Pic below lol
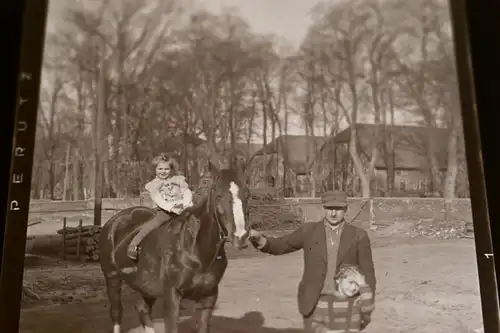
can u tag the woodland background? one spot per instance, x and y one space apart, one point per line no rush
124 80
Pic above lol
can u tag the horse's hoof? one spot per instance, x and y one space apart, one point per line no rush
148 329
116 328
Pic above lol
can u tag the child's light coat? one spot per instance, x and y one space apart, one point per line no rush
172 194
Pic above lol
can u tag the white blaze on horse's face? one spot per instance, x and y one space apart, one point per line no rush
239 216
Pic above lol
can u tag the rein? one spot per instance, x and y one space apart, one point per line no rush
221 230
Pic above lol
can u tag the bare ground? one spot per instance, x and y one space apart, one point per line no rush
424 286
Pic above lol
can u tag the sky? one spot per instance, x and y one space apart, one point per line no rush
261 14
286 18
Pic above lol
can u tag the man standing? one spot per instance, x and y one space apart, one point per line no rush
327 244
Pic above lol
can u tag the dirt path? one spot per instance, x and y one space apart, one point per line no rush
419 290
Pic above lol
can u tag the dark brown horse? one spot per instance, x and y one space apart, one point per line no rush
183 259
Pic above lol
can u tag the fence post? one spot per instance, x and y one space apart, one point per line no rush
371 212
78 239
447 207
64 239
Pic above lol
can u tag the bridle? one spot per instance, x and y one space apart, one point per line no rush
221 229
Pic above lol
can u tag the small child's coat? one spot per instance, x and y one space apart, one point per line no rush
343 314
174 188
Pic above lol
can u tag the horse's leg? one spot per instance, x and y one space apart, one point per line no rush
143 308
206 308
171 307
114 289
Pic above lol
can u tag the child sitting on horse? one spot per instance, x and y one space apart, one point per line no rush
171 195
349 309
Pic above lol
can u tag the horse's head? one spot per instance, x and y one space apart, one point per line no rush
229 198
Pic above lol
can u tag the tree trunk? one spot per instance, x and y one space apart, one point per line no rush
452 167
195 172
109 181
36 182
41 188
421 99
430 148
334 168
52 180
264 143
273 128
252 119
434 175
285 153
125 151
66 173
376 94
313 175
185 158
358 165
335 163
390 150
107 188
346 161
50 134
75 167
115 156
98 132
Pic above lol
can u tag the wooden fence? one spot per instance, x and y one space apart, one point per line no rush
366 211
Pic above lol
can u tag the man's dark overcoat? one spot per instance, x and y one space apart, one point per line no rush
354 249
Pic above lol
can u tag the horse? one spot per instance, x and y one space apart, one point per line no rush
183 259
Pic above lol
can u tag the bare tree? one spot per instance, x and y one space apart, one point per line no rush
352 44
49 128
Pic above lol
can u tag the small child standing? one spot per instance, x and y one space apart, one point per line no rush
171 194
349 309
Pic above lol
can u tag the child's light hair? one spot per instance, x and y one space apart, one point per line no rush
164 158
350 271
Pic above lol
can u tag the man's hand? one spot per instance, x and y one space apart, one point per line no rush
257 239
177 207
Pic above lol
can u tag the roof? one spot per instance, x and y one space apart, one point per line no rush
246 149
242 148
410 144
409 152
300 149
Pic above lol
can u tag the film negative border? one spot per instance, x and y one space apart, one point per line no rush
32 45
11 60
468 23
